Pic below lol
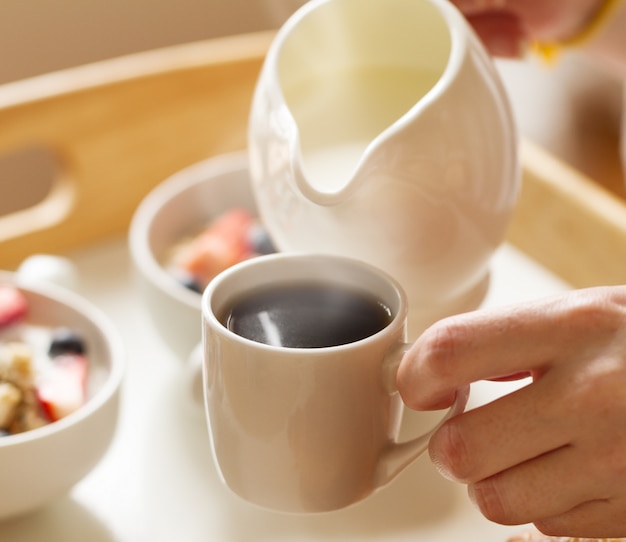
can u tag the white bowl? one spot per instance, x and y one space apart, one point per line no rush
44 463
181 204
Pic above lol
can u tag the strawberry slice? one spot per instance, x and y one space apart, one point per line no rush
233 225
62 387
13 305
224 243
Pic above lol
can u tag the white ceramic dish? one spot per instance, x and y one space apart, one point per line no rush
39 465
181 204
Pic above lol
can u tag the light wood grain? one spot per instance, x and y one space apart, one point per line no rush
572 225
120 127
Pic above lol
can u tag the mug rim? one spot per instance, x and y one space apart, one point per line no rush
398 320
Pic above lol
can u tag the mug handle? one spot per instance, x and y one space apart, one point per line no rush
192 381
399 455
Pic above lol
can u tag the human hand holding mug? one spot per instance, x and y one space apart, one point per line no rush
552 452
299 389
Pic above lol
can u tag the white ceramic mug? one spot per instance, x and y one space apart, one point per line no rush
306 429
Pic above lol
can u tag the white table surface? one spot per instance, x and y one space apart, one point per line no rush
158 481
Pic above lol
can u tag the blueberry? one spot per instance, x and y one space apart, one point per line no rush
188 281
260 240
66 341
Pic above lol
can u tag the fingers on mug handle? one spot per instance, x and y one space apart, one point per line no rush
390 367
400 455
391 364
390 370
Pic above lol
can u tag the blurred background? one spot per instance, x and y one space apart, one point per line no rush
572 109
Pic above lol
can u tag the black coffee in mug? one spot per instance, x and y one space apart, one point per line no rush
306 315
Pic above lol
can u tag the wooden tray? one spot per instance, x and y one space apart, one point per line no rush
118 128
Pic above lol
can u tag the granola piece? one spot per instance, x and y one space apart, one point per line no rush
16 365
19 408
10 398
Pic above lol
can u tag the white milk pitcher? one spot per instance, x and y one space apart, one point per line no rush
380 130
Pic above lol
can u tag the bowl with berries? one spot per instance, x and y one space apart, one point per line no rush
61 368
194 224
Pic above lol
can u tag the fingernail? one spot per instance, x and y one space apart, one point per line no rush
471 493
437 453
443 470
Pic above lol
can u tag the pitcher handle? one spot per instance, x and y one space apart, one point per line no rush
399 455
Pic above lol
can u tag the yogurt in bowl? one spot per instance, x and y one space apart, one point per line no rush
50 436
203 219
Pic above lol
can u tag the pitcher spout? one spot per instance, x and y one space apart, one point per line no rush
328 176
349 73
